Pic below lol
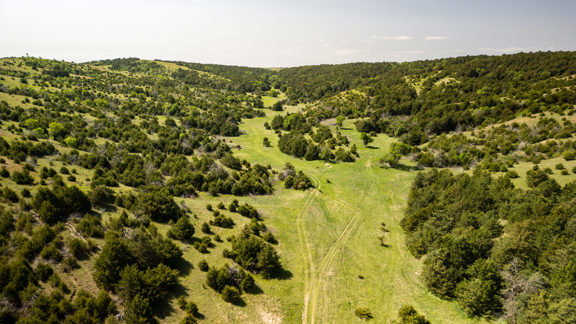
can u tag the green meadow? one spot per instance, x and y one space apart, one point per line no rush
328 240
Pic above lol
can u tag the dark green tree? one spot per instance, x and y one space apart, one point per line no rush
158 205
366 139
408 315
231 295
182 230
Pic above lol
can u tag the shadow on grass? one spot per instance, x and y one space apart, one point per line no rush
240 303
284 274
404 167
164 308
184 266
255 291
103 208
372 147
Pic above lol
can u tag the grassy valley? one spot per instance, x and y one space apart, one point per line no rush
147 191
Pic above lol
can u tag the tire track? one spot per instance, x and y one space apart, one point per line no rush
351 224
305 247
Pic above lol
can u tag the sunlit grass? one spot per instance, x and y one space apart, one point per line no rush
348 268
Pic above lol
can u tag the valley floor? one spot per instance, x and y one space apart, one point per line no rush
329 241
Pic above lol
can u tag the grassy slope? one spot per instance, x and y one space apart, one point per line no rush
328 239
522 167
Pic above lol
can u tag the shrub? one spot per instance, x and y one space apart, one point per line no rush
203 265
248 284
22 178
535 177
182 302
248 211
255 255
10 195
206 228
25 193
70 263
201 247
363 313
266 142
408 315
569 155
43 271
222 221
182 230
101 195
90 226
512 174
231 162
233 206
231 295
189 319
158 205
269 237
77 248
51 253
192 308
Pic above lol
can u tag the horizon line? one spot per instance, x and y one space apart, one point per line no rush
294 66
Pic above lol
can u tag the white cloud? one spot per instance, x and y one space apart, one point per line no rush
435 37
396 38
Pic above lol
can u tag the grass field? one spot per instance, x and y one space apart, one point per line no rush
328 243
269 101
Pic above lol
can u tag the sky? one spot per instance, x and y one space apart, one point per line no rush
283 33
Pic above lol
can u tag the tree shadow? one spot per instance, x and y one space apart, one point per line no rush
184 266
404 167
193 240
99 209
240 303
256 290
284 274
163 308
110 208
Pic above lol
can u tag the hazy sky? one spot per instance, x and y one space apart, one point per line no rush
282 33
